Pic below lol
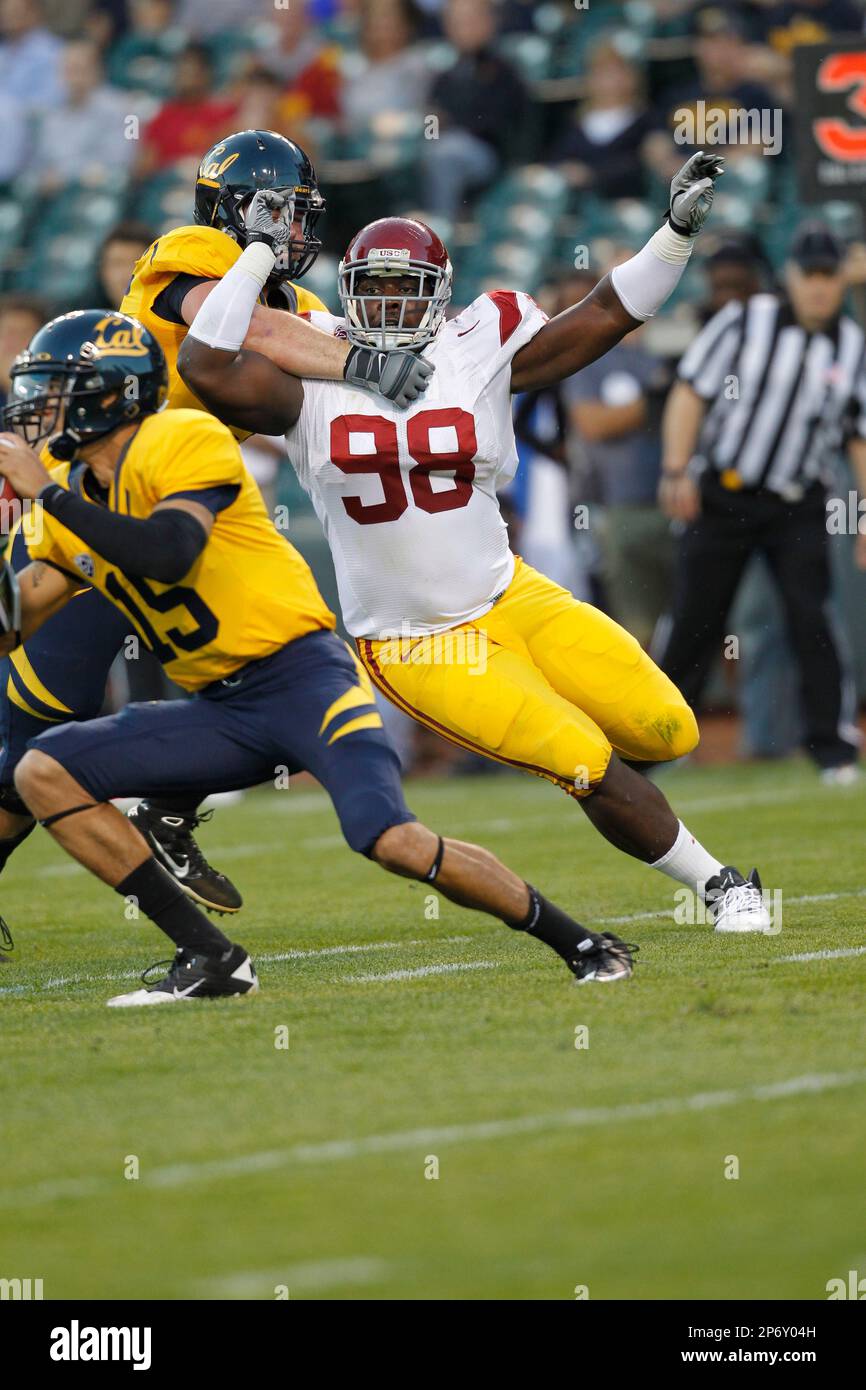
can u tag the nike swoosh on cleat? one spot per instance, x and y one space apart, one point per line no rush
179 870
185 993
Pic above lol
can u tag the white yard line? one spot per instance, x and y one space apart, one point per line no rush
363 946
179 1175
300 1278
351 948
842 954
449 968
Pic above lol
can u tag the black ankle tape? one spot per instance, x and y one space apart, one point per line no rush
437 863
532 916
73 811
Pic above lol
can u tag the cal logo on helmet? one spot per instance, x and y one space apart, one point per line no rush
116 337
212 167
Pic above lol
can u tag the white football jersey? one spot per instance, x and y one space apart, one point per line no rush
407 498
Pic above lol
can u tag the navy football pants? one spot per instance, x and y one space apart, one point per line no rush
280 714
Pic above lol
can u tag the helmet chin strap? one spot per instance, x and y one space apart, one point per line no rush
64 446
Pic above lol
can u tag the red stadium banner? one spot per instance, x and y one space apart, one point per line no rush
830 120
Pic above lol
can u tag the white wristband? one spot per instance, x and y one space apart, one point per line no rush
644 283
223 320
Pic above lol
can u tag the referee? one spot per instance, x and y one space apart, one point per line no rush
766 393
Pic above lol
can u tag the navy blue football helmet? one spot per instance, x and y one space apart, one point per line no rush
83 375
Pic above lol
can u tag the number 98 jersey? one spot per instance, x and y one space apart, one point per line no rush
407 498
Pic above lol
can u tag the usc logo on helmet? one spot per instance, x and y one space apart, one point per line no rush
116 337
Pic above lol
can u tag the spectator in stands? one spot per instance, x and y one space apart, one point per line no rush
481 105
306 66
206 17
724 78
388 74
16 142
21 315
192 119
614 406
86 138
603 148
29 56
117 256
259 104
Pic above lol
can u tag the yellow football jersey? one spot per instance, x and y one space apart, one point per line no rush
249 592
186 251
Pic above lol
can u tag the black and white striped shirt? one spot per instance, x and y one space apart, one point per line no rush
781 400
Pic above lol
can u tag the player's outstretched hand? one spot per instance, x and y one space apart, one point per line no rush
692 190
269 217
22 466
400 376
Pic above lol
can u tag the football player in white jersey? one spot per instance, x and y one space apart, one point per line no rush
453 627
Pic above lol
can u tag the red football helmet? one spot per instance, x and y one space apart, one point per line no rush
391 248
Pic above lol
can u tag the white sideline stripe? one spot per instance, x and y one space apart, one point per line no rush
314 1274
450 968
330 1151
56 982
822 955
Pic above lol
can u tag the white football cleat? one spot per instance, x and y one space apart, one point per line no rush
736 904
847 775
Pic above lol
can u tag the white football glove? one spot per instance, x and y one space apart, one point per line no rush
692 190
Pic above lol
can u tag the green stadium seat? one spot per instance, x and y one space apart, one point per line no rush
530 54
145 64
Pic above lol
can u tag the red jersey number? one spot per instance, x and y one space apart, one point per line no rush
385 462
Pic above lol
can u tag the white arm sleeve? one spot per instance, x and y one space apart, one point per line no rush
223 320
644 283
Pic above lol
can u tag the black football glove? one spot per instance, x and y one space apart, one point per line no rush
400 376
692 190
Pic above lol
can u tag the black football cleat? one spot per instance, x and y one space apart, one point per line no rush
6 938
172 841
193 975
602 957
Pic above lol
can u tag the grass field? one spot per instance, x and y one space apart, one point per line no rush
412 1037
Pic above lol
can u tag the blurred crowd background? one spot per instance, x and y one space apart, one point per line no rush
537 138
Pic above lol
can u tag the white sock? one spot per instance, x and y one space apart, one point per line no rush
688 862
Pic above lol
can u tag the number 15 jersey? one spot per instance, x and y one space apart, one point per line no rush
407 498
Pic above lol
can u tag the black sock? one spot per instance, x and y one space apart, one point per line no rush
165 903
548 923
8 847
185 806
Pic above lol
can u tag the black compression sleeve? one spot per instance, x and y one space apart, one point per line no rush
163 547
